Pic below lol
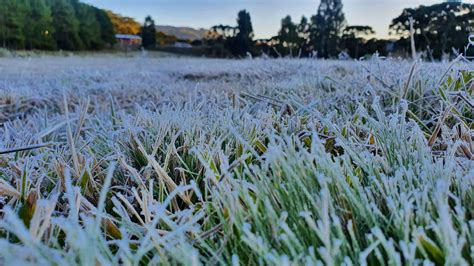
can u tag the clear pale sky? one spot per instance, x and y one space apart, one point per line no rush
266 14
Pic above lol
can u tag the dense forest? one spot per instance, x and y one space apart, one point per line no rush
54 24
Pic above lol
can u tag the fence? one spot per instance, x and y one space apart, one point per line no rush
469 53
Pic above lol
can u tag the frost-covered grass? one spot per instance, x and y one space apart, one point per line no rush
136 161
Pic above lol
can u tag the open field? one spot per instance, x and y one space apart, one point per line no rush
108 160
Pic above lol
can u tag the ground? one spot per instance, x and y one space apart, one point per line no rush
139 159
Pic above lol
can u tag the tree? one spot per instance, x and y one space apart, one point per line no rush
51 24
39 28
124 25
148 33
438 28
354 38
327 27
220 38
66 25
288 36
222 32
235 41
89 28
303 30
165 39
107 31
291 37
12 23
243 41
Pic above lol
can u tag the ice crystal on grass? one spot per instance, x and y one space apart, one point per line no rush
133 161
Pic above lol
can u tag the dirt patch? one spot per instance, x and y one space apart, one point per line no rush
212 77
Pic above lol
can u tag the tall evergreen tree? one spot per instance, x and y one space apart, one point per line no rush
327 28
66 25
243 42
148 33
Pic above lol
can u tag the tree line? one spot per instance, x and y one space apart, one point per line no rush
54 24
439 29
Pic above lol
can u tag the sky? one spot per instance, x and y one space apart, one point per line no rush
266 14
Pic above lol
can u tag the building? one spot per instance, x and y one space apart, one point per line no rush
128 40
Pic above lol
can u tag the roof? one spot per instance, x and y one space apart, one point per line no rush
127 37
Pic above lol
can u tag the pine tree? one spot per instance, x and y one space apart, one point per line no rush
149 33
327 27
243 42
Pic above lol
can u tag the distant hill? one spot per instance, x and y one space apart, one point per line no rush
183 33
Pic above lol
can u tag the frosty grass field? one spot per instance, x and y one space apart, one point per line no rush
107 160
